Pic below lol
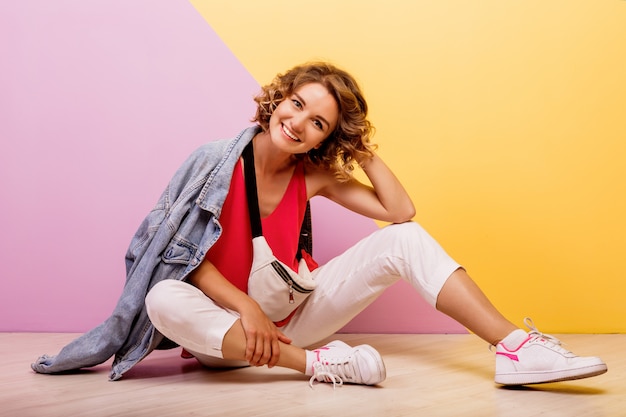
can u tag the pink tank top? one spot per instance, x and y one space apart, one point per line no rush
232 253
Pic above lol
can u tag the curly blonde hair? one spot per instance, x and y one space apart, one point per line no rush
349 143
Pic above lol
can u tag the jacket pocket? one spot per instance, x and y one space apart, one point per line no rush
179 251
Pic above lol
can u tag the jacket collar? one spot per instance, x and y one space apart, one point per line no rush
214 191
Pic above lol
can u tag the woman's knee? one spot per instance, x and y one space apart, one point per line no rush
409 232
159 299
406 228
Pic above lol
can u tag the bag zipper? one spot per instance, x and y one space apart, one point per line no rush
287 278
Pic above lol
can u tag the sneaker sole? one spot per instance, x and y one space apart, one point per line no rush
529 378
381 372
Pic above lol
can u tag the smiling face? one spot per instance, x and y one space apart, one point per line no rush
341 146
304 119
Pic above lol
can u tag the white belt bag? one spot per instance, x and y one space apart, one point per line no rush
276 287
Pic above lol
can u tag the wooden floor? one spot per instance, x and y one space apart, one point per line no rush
427 375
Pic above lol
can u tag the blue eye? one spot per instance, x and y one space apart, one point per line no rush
297 103
318 124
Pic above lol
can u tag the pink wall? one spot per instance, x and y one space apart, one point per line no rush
100 102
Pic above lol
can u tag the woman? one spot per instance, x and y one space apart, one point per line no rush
311 131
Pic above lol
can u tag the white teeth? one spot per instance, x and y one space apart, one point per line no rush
291 135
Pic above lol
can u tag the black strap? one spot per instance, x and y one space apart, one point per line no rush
306 238
251 191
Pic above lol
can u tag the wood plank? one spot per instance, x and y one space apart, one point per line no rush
429 375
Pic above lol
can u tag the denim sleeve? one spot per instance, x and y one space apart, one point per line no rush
127 332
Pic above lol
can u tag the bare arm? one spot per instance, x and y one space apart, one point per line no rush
386 199
262 336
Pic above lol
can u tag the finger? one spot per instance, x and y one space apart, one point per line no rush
284 338
250 346
275 354
266 353
258 351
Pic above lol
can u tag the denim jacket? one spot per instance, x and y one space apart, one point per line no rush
170 243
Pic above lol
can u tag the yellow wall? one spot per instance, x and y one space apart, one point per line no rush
504 119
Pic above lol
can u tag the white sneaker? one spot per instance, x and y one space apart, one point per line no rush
340 363
534 358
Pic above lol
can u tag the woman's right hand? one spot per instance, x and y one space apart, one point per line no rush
262 337
261 334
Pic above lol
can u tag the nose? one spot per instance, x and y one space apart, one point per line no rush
297 122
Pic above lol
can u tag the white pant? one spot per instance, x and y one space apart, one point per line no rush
345 286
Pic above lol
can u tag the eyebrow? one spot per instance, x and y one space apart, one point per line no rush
318 116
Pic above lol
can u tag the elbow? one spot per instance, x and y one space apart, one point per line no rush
411 213
404 215
409 216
